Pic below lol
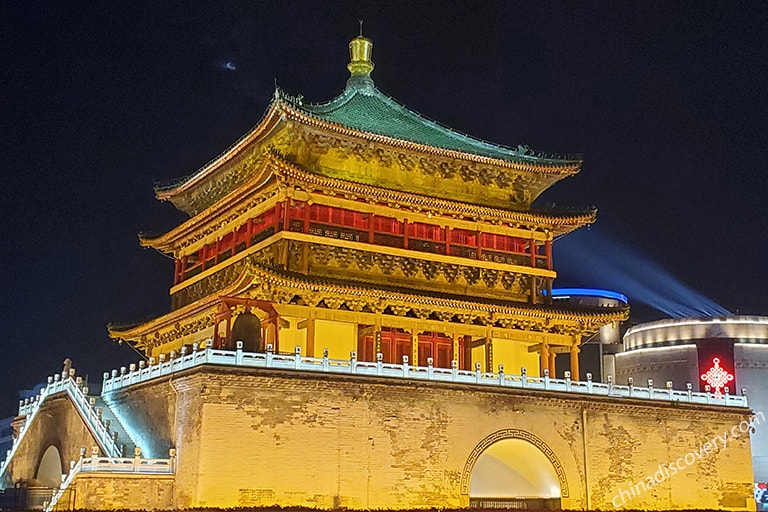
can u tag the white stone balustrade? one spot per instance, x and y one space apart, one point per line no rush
297 362
60 384
94 463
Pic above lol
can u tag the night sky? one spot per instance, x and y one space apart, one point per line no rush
100 100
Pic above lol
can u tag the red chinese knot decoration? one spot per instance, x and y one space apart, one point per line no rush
717 377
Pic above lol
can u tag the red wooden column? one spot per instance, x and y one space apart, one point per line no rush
548 251
447 240
544 358
287 215
176 271
248 232
533 252
371 227
479 246
405 233
575 362
277 214
306 217
183 269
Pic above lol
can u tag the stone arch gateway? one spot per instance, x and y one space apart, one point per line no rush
514 465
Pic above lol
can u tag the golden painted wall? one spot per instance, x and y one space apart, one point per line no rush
340 338
514 355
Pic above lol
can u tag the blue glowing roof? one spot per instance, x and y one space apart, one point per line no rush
562 293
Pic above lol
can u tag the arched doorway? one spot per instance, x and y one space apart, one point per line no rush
49 469
247 328
514 469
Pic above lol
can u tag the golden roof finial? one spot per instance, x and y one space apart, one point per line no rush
360 49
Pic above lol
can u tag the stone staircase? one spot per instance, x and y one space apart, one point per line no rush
114 426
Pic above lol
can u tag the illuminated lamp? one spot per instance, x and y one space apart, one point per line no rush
717 377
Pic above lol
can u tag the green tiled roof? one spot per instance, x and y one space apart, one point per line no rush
365 108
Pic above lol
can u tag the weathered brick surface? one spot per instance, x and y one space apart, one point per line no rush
264 437
104 491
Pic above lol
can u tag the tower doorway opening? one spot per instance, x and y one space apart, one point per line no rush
247 328
514 474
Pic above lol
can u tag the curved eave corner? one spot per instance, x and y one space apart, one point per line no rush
168 191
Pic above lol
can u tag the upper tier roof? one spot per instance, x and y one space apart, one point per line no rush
363 107
362 115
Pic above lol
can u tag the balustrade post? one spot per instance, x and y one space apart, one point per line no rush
689 389
609 378
501 375
650 389
524 377
406 367
546 378
379 363
297 358
567 376
136 459
94 457
630 385
269 355
589 383
478 373
172 456
326 361
239 353
454 370
353 361
430 368
709 395
669 385
726 396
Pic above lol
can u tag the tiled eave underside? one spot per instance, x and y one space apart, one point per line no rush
270 286
289 176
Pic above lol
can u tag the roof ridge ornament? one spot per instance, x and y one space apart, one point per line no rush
360 63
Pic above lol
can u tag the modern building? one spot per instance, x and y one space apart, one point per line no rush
721 355
363 317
